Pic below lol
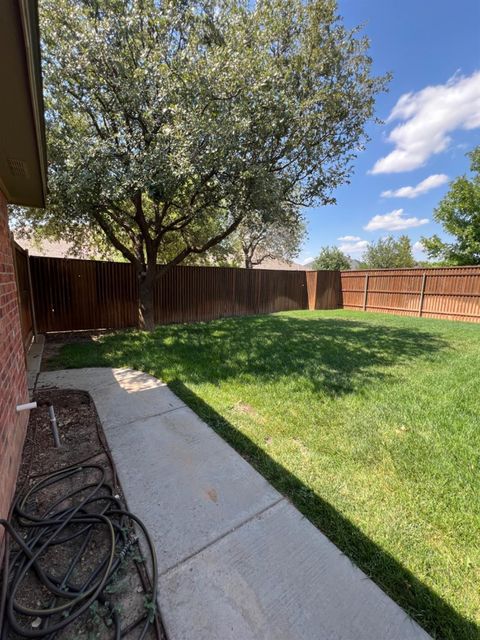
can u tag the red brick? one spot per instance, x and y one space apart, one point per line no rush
13 382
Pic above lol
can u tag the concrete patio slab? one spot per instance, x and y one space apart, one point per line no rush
237 561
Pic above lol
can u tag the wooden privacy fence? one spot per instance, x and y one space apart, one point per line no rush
73 294
84 294
22 275
451 292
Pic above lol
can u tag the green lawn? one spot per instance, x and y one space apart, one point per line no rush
369 423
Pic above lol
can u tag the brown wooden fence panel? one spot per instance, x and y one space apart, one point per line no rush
323 289
451 292
75 294
190 294
83 294
24 294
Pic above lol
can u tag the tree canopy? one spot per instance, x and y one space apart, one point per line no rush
388 253
459 214
331 258
168 122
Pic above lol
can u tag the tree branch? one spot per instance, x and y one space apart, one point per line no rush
109 232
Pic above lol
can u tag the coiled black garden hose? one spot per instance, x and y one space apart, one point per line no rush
74 515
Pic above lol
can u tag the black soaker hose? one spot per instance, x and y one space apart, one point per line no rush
92 506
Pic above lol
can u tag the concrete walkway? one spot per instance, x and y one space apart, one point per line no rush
236 560
34 360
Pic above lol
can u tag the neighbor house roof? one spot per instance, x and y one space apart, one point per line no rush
48 248
22 133
279 265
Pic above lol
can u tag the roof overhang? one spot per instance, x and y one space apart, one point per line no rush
23 165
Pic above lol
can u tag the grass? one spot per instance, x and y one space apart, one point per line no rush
368 422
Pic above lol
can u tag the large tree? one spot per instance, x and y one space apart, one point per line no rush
167 122
388 253
332 259
459 214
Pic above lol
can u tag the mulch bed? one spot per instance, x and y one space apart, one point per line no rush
83 443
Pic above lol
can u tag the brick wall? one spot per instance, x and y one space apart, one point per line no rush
13 384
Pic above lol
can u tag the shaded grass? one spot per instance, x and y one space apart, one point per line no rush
369 423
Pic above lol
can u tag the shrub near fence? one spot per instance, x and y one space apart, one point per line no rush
451 293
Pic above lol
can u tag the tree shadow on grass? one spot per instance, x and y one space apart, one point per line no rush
432 613
332 356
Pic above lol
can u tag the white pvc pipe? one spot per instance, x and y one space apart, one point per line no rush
53 424
27 406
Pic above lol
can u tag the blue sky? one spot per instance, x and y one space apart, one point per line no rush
432 47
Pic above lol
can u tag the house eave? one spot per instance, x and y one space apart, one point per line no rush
23 165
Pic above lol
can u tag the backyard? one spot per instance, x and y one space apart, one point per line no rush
367 422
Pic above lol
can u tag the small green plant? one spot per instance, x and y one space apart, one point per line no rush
95 613
115 586
150 607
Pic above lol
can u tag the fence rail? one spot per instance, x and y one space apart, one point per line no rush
451 292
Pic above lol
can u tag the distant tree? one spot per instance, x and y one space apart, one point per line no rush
459 214
388 253
168 121
332 259
270 235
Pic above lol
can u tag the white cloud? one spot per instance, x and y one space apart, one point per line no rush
427 117
307 260
394 221
352 244
419 251
433 181
349 238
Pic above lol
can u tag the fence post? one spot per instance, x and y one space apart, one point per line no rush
365 292
422 295
311 278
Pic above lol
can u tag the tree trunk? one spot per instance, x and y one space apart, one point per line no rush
248 259
146 288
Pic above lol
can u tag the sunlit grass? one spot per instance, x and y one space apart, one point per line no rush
369 423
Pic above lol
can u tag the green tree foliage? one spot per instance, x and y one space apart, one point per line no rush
331 258
167 122
388 253
459 214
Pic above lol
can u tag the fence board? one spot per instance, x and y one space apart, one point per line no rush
448 292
